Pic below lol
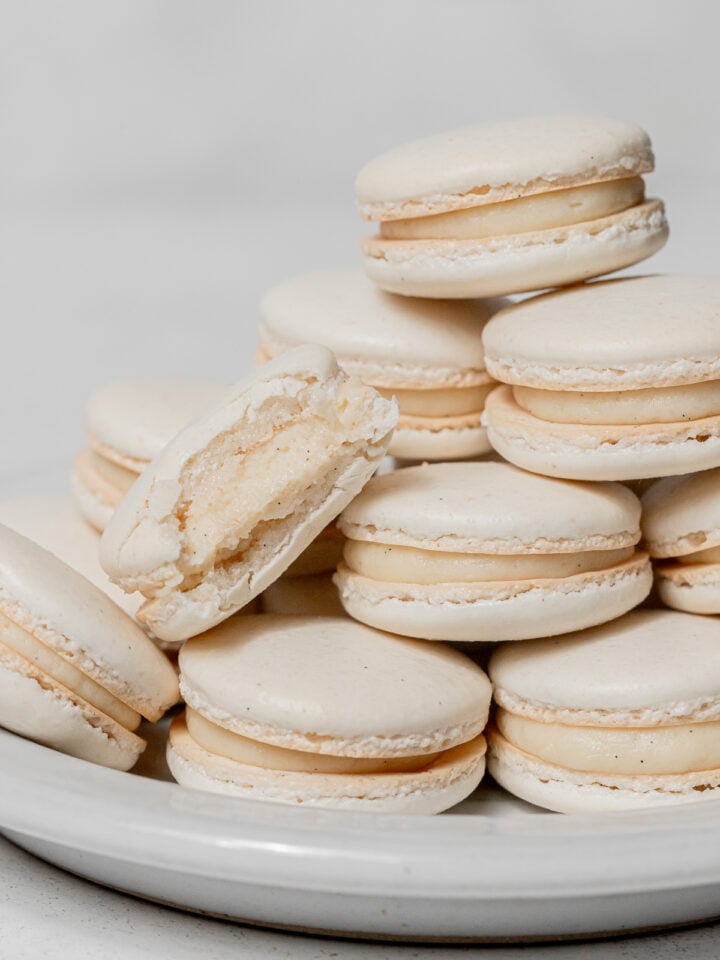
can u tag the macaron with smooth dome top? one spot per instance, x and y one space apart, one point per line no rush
128 422
326 712
76 673
623 716
427 354
510 206
681 530
615 380
238 494
487 552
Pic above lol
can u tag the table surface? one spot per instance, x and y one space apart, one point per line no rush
46 913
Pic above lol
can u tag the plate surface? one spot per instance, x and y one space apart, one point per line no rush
494 868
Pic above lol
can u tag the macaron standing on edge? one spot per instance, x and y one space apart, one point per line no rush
76 673
427 354
615 380
326 712
128 422
237 495
487 552
623 716
511 206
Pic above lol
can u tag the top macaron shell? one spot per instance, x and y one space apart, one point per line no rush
492 162
492 508
137 417
333 686
389 341
628 334
44 595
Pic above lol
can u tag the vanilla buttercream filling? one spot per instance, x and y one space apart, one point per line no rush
682 748
691 401
542 211
443 402
399 564
57 668
709 555
233 746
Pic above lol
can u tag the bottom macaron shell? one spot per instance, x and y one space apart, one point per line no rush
443 783
694 588
573 791
449 443
36 707
96 510
495 611
599 452
514 264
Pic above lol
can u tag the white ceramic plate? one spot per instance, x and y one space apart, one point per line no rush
493 868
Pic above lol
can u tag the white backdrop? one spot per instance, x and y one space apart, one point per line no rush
163 161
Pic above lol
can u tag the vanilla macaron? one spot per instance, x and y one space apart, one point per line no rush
329 713
625 715
427 354
487 552
315 596
617 380
510 206
128 422
681 530
76 673
238 494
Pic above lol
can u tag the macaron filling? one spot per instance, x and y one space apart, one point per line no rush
541 211
57 668
394 563
709 555
441 402
672 749
693 401
226 743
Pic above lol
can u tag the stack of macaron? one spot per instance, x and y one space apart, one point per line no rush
505 519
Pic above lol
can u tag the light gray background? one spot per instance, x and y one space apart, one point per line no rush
162 162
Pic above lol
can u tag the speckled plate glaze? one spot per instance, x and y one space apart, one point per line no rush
493 868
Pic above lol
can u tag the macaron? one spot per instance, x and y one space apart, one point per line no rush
617 380
487 552
623 716
238 494
325 712
53 521
510 206
681 529
128 422
427 354
315 596
76 673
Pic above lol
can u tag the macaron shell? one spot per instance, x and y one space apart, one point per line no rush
681 515
391 342
491 508
96 499
692 587
61 608
571 791
445 443
495 611
446 781
315 596
330 685
614 452
34 706
491 162
623 334
517 263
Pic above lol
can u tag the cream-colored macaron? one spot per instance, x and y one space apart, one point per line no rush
76 673
681 529
617 380
315 596
428 354
625 715
238 494
128 422
484 551
505 207
328 713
